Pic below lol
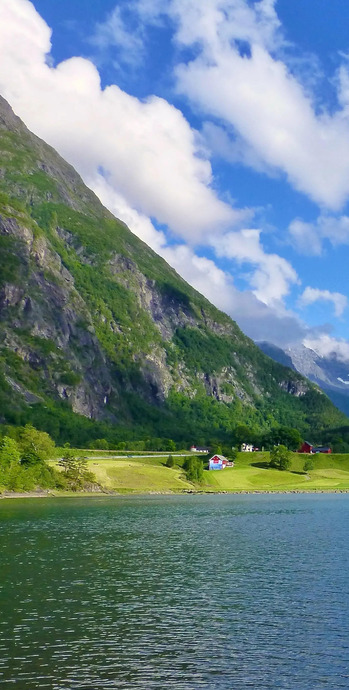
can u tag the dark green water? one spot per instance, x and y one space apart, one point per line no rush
183 592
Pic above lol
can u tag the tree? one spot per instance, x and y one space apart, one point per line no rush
9 453
194 468
100 444
170 461
287 436
233 453
171 446
68 461
243 434
35 446
75 469
309 464
280 458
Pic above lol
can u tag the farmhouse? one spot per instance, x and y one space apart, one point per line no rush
247 448
199 449
307 447
219 462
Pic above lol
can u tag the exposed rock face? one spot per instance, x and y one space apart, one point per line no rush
296 388
48 308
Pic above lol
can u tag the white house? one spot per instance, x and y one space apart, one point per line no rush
219 462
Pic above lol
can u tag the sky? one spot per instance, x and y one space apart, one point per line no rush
217 130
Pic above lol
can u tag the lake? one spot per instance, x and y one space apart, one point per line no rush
183 592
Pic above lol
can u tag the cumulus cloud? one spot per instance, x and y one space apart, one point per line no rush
272 275
150 152
241 67
140 224
327 346
232 148
311 295
235 75
308 238
257 319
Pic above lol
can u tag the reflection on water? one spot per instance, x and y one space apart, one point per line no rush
175 592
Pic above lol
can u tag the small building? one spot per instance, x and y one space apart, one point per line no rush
307 447
246 447
219 462
199 449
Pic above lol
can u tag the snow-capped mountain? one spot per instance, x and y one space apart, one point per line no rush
330 373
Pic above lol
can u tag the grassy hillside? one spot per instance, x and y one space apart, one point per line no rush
250 473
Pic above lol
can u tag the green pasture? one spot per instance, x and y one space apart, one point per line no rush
250 473
132 475
127 475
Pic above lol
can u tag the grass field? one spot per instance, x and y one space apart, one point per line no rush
250 473
132 475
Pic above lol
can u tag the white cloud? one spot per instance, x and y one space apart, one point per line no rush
114 32
231 148
259 321
273 275
259 96
308 238
305 237
152 156
325 346
311 295
140 224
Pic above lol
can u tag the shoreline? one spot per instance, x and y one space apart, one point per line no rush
130 494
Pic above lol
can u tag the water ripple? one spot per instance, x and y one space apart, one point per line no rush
216 592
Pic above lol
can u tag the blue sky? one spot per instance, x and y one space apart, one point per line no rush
218 130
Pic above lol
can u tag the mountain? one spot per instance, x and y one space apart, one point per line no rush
330 373
277 354
98 335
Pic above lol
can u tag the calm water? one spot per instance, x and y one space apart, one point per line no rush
183 592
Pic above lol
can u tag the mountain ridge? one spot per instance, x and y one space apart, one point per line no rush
329 372
93 322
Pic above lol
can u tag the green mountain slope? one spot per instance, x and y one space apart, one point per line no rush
97 332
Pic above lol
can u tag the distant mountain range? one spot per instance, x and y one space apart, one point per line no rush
330 373
100 337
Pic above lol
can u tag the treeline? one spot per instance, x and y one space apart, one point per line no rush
338 439
24 452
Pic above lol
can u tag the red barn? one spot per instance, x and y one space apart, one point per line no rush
306 448
309 448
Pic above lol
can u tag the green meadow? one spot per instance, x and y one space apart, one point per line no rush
137 474
251 473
